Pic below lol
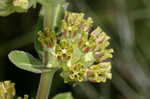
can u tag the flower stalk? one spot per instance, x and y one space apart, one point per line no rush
52 15
45 84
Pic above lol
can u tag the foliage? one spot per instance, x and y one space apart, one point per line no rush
69 44
66 95
25 61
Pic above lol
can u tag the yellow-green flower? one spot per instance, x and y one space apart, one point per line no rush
25 97
82 53
8 7
7 90
23 4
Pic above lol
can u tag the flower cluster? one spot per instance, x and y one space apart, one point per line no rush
82 54
8 7
8 91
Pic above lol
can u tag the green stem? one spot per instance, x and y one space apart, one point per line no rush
48 10
52 16
45 84
53 13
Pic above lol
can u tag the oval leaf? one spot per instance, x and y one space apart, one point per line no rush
66 95
25 61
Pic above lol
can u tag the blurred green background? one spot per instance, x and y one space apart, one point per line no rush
128 24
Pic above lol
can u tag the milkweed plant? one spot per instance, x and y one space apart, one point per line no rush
64 41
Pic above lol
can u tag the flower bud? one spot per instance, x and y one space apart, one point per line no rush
22 4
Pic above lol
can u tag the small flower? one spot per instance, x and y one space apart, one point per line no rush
64 50
25 97
7 89
23 4
82 54
8 7
47 38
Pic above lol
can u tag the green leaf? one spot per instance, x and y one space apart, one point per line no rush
66 95
7 11
6 8
25 61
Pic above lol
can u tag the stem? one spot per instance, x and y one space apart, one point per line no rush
52 16
53 13
45 84
48 10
